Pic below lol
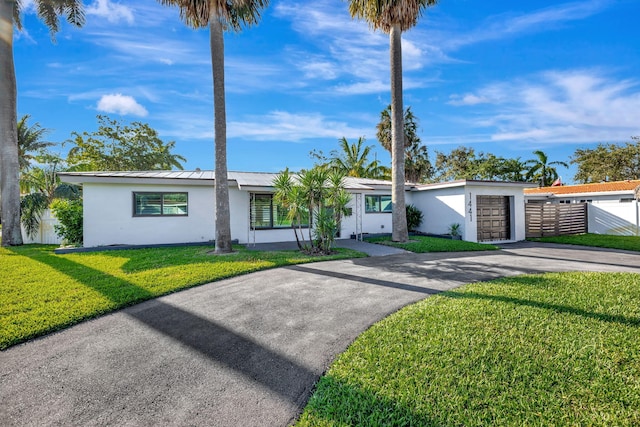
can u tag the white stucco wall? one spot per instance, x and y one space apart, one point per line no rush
109 220
614 218
372 223
516 195
440 208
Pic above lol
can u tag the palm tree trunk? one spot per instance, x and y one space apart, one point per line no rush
9 162
223 221
400 232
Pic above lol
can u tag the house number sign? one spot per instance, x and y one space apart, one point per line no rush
470 209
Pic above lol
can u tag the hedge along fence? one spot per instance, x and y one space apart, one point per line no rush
555 219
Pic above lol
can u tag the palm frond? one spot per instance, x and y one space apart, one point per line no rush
31 208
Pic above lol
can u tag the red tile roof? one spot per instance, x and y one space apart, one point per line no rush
599 187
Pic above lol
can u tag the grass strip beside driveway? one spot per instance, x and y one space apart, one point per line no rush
42 292
629 243
552 349
422 244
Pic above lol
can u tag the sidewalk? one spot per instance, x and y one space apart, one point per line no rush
370 249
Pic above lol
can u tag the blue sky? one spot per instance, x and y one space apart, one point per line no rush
503 77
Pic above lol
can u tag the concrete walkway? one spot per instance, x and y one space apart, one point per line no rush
247 350
368 248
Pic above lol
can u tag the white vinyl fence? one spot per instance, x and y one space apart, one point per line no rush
622 219
46 234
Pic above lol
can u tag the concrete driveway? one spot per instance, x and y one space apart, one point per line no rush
243 351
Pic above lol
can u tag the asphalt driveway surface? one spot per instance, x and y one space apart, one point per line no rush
244 351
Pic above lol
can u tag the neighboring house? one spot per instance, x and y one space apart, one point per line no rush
157 207
613 207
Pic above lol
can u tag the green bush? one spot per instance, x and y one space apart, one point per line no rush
414 217
69 214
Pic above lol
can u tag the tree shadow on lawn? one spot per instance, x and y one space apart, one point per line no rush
544 282
529 281
276 371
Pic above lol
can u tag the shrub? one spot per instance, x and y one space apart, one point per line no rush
414 217
69 214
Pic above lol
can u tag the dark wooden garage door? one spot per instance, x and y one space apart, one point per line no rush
493 218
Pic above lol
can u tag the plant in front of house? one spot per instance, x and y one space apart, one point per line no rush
69 214
454 231
316 197
414 217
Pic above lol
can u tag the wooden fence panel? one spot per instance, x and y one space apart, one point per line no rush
555 220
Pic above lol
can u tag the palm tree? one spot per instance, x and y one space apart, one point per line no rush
541 169
219 16
42 185
48 11
417 166
353 160
394 17
30 141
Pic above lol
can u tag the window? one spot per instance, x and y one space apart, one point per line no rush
377 204
160 204
266 213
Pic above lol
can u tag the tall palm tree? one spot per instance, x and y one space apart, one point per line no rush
417 166
353 160
48 11
541 169
30 141
394 17
219 16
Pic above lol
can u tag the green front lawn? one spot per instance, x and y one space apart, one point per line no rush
43 292
629 243
552 349
421 244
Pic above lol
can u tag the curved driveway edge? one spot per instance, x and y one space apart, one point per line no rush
247 350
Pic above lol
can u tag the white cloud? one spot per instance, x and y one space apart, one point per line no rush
285 126
510 25
112 12
121 104
558 106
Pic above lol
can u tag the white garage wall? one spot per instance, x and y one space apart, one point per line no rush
516 195
109 220
442 207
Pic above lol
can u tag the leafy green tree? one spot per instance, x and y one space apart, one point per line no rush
460 163
69 214
608 162
30 141
464 163
417 166
393 17
219 16
541 170
514 170
49 11
353 160
122 147
42 186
